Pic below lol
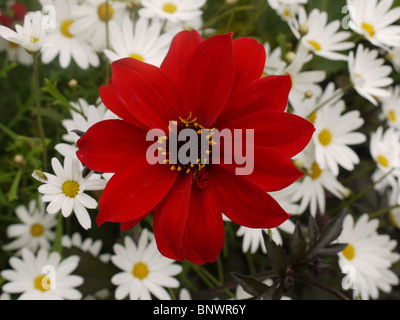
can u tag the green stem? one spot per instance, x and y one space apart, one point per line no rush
39 109
261 7
319 285
323 103
377 213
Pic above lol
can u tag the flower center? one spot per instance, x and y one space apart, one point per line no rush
105 12
65 28
383 161
13 44
315 171
137 57
37 230
70 188
325 137
315 45
42 283
140 270
349 252
392 116
312 117
369 28
169 7
34 40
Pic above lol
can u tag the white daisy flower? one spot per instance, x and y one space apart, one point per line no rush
287 10
367 258
145 271
175 11
311 189
323 39
65 190
394 57
91 17
88 115
87 245
35 231
16 53
42 277
385 151
334 133
142 41
273 64
369 75
391 107
31 35
374 20
303 81
62 43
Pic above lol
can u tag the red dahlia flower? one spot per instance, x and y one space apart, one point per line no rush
213 83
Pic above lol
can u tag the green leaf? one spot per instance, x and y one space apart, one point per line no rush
13 193
332 230
277 257
313 231
60 99
250 285
57 245
297 245
331 250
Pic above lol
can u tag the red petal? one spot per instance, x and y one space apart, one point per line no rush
182 47
249 61
265 94
133 192
204 236
127 225
146 92
19 10
286 132
169 220
272 170
245 203
113 102
208 78
111 145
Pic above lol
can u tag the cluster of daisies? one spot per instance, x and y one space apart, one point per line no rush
84 32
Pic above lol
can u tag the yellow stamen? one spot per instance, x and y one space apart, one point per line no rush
349 252
383 161
70 188
137 57
65 28
140 270
42 283
315 171
315 45
37 230
392 116
169 7
369 28
325 137
312 117
105 10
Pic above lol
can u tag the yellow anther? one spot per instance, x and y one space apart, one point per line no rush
173 168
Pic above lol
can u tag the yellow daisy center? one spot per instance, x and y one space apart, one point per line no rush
140 270
315 171
315 45
287 13
169 7
392 116
65 28
13 44
349 252
137 57
37 230
42 283
105 10
325 137
34 40
312 117
70 188
383 161
369 28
